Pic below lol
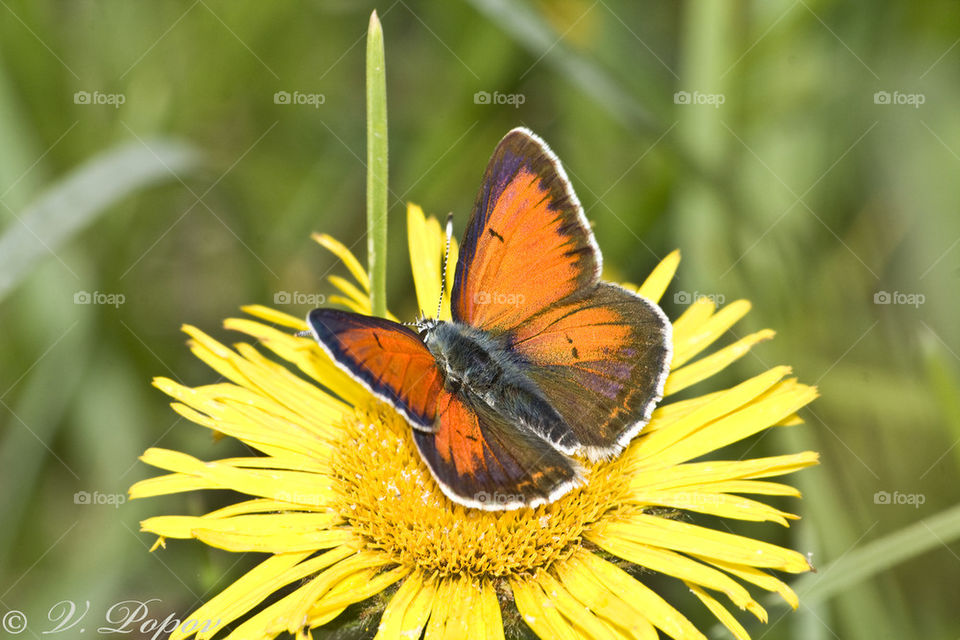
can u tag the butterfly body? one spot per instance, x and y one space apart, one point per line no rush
541 362
481 368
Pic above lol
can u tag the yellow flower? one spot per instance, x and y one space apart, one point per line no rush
346 509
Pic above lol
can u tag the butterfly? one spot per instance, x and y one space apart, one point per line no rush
542 362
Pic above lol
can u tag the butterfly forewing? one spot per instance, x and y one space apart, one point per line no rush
527 244
387 358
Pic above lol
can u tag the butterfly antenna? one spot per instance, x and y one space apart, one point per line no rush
443 269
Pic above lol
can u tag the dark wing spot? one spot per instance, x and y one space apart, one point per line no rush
576 356
377 339
495 234
569 339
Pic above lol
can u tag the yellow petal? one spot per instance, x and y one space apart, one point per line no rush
445 313
791 421
350 261
679 566
462 616
360 298
659 279
490 608
306 404
307 356
259 583
707 366
541 616
326 580
267 431
701 541
341 597
425 258
391 625
349 304
440 609
342 592
273 484
706 333
276 317
265 524
586 588
724 473
653 446
724 616
426 239
642 599
666 414
576 612
179 483
782 399
252 541
713 503
690 320
760 578
416 616
282 615
755 486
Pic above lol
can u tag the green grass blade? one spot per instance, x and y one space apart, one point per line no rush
75 201
377 167
526 27
872 558
530 31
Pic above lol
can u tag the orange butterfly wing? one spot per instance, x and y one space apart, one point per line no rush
601 360
387 358
527 244
481 460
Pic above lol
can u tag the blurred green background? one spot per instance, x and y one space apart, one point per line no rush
802 154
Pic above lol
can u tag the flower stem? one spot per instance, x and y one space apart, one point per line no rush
376 168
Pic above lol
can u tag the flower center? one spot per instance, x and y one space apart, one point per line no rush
389 497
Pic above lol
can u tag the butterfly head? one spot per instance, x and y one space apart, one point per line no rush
425 326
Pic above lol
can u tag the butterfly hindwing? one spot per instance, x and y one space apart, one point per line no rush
601 361
482 460
387 358
527 244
